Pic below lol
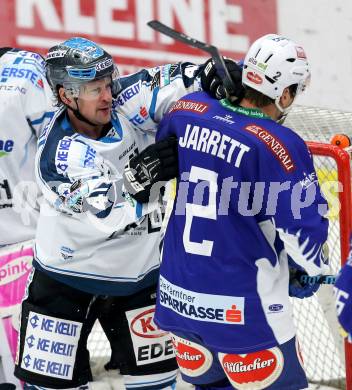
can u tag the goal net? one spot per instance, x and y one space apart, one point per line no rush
322 347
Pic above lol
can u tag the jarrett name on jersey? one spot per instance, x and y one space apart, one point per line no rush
247 208
75 171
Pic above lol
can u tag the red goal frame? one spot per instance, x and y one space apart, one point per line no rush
342 159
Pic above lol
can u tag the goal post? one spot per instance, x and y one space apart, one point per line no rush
317 126
327 357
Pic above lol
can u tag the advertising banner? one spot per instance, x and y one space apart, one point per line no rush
120 26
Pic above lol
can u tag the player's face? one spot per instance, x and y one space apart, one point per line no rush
95 101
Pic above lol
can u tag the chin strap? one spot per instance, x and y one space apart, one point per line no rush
78 114
284 111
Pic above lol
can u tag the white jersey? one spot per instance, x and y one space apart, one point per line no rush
25 106
91 234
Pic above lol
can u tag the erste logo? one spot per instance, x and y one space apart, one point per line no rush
6 147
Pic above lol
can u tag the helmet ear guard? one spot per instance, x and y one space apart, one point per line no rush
115 82
72 89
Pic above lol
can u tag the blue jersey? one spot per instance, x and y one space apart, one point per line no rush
343 295
248 206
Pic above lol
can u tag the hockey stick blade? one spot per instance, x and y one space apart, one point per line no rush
179 36
322 279
210 49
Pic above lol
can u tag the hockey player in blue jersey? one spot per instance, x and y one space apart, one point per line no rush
248 217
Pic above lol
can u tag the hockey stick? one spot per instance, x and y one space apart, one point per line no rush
210 49
322 279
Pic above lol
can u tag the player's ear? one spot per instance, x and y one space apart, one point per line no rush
286 98
63 96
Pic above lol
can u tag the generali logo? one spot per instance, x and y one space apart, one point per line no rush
144 326
15 269
276 147
189 105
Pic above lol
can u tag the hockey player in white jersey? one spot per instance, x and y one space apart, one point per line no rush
93 239
25 108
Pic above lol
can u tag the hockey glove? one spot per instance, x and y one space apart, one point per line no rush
212 83
94 195
298 288
158 163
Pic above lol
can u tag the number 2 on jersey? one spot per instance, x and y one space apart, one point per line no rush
208 211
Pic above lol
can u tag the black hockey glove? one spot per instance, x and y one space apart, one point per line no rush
158 163
212 83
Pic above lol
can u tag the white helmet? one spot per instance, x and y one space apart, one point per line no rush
273 63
